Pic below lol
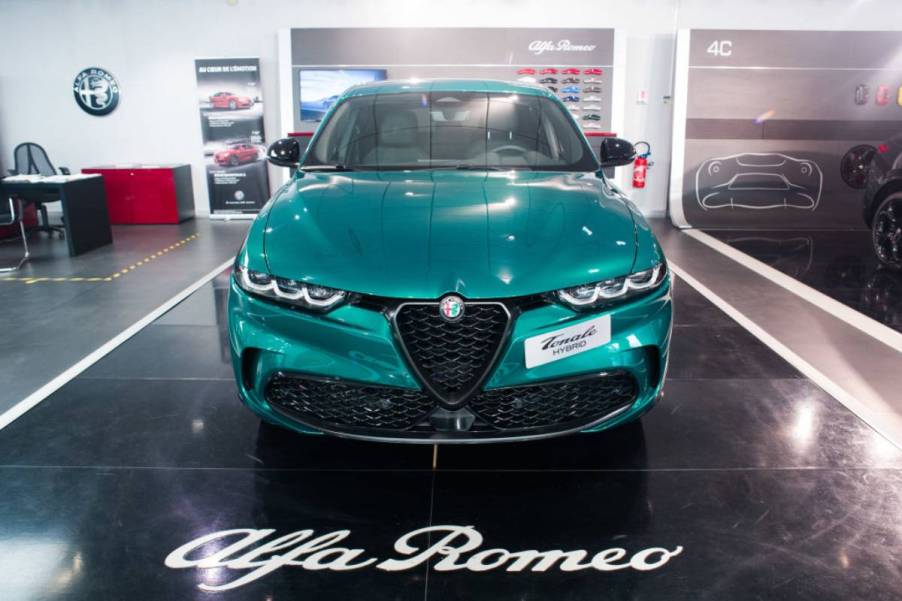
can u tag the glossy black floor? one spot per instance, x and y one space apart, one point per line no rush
840 264
770 488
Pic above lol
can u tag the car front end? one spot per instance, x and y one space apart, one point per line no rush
449 305
389 368
223 157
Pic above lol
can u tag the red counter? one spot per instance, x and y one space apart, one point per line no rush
147 193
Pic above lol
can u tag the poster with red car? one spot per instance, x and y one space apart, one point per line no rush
230 99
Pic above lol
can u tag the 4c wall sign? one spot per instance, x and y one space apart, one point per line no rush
96 91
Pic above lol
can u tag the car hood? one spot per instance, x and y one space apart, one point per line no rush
424 234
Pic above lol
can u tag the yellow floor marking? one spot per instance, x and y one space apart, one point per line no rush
103 278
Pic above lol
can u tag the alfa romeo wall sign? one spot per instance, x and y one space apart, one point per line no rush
243 555
539 47
96 91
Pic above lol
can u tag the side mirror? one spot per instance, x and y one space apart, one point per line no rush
285 152
616 152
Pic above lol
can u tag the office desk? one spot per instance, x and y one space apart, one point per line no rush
84 207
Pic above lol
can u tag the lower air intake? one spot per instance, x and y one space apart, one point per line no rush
340 405
554 404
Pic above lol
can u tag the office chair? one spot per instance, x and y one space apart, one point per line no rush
9 218
32 159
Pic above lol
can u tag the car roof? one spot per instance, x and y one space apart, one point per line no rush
402 86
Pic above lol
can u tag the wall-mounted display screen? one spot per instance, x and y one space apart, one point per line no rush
320 88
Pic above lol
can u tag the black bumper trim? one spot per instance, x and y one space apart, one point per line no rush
421 433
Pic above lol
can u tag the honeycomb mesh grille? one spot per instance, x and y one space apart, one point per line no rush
555 403
452 356
348 405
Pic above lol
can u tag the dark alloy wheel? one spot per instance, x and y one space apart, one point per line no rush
855 165
887 231
233 161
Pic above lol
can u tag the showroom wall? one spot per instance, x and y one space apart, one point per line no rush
150 46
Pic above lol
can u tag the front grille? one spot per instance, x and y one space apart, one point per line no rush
452 358
345 405
555 403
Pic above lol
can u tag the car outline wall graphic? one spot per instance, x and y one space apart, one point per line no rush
719 182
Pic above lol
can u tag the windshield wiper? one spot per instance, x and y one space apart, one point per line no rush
449 168
327 168
466 167
477 168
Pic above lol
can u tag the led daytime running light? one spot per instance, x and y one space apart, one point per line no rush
614 288
283 289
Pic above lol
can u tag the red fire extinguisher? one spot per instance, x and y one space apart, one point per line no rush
640 167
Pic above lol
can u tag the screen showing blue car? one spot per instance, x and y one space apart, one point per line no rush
320 88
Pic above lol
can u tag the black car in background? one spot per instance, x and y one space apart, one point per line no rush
883 202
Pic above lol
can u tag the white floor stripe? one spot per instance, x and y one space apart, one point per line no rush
854 405
871 327
17 410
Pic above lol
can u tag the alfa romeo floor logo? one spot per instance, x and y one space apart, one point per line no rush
96 91
238 557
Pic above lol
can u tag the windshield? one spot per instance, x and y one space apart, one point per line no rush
465 130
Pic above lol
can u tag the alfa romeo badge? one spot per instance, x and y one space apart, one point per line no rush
451 308
96 91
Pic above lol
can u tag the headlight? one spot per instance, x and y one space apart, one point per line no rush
613 290
291 292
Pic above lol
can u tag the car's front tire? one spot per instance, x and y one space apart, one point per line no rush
232 105
886 233
234 161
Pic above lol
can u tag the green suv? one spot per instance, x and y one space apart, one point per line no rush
449 263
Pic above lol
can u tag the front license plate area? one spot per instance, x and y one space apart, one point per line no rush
566 342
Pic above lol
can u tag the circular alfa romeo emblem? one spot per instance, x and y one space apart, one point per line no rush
451 308
96 91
